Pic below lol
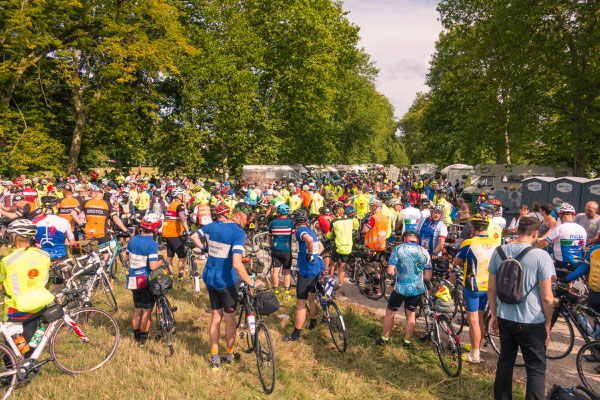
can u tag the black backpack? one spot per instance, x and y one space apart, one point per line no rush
509 280
576 393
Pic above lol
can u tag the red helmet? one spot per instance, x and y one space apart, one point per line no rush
222 209
151 222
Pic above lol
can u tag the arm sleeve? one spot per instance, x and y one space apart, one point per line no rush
428 262
582 270
393 258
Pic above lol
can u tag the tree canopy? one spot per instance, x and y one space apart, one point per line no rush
191 86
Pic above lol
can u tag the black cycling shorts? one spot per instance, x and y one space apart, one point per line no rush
396 300
226 299
344 258
142 298
281 259
175 246
306 285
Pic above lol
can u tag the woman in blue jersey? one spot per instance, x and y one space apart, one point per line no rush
225 241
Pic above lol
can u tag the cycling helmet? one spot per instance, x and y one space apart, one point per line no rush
157 192
226 183
35 180
383 195
565 208
23 228
284 209
244 207
350 212
177 192
410 232
376 203
125 195
494 201
488 208
300 215
27 182
479 222
49 200
222 209
439 208
324 211
119 199
151 222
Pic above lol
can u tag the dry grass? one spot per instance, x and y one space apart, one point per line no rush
309 369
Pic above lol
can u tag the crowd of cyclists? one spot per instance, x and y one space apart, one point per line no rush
314 227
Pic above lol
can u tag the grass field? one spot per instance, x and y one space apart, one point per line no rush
310 369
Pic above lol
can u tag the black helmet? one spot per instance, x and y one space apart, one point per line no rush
324 210
300 215
383 196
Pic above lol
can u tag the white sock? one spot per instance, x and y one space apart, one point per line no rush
475 354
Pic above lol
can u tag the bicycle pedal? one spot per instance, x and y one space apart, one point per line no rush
174 308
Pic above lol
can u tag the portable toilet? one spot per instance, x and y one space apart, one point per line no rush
536 189
590 192
569 189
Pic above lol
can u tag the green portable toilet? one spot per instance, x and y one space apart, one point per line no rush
569 189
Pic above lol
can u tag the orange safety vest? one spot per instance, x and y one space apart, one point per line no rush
204 214
375 238
173 226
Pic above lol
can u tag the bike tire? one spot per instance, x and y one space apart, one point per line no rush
71 354
265 358
562 338
336 325
447 346
494 341
7 384
107 289
586 369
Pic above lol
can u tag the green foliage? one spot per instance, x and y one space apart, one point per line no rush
196 87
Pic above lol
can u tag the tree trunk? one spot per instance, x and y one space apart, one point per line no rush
224 160
81 114
506 123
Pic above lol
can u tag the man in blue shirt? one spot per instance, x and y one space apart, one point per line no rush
280 240
411 264
142 254
310 265
53 232
225 241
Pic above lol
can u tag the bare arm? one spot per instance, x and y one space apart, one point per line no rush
8 214
440 245
547 304
427 274
119 223
238 265
155 265
75 217
593 240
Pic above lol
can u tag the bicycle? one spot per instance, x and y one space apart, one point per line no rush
446 278
588 366
358 271
193 258
165 320
257 337
332 314
439 330
80 341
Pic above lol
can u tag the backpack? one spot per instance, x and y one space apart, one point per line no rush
576 393
509 280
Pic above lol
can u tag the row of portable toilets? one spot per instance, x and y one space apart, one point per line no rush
574 190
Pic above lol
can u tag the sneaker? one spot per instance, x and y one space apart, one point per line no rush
231 357
276 290
180 276
405 345
379 341
312 325
368 292
215 362
286 291
472 360
290 338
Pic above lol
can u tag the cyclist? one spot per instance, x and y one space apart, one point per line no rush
225 242
376 232
440 199
142 201
433 232
590 266
142 255
98 212
295 200
70 207
53 232
475 255
409 216
411 264
280 241
341 229
23 270
569 240
24 209
310 266
31 195
176 230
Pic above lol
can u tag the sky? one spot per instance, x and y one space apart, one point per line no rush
400 36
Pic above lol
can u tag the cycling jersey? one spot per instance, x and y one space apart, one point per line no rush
30 194
361 205
341 231
173 226
305 268
97 213
316 203
65 207
429 234
568 240
157 206
30 211
306 197
410 217
202 212
280 230
223 240
494 231
253 197
410 261
143 201
391 219
324 222
51 233
275 201
141 250
476 253
500 221
21 271
295 203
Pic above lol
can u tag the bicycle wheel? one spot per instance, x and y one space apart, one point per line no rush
108 292
337 328
447 346
8 371
74 354
494 341
194 274
562 338
457 315
265 358
588 359
167 327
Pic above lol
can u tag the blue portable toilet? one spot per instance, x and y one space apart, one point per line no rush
536 189
569 189
590 192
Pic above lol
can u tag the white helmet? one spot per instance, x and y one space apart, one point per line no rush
376 203
566 208
22 227
178 192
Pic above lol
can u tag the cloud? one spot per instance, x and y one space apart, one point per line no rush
400 36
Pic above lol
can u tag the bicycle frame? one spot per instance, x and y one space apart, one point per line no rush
112 248
562 306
